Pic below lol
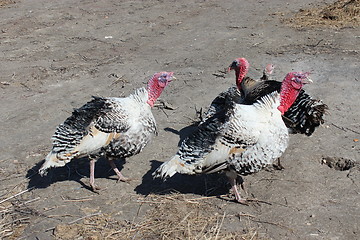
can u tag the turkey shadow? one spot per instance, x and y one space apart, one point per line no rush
184 132
204 184
75 170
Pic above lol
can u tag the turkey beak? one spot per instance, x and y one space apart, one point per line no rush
307 80
173 78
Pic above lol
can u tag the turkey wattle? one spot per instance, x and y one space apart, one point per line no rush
114 127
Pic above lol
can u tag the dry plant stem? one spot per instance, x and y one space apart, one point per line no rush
218 230
246 215
26 190
76 220
78 200
272 223
75 199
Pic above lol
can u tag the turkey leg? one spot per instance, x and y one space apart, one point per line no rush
232 179
118 173
92 175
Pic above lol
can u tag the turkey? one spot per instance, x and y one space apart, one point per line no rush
304 116
241 140
111 127
233 94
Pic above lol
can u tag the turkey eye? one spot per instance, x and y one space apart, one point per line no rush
234 64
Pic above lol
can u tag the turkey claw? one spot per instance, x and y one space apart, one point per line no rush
95 189
123 179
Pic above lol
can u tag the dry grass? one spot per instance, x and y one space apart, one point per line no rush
4 3
342 13
170 217
15 214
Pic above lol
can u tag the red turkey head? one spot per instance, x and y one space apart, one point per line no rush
157 84
291 87
241 67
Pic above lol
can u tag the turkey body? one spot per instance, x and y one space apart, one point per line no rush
238 138
111 127
242 140
304 115
114 127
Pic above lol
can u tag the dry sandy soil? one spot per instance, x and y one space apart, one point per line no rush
56 54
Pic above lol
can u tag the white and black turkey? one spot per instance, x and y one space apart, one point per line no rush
114 127
304 115
239 139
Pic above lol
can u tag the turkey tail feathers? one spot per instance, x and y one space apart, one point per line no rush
305 115
51 160
167 169
174 165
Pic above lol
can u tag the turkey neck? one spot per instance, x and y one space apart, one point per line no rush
154 91
288 95
240 74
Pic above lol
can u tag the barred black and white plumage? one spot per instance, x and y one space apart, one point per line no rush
114 127
240 139
304 115
222 103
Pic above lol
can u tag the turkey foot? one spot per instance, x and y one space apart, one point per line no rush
278 166
121 178
94 188
238 198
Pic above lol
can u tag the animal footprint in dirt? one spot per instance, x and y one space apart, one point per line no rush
338 163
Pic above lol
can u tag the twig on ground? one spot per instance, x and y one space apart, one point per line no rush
201 198
345 128
279 179
252 237
272 223
87 216
258 43
245 215
143 201
315 45
56 216
30 201
76 220
79 200
16 220
18 194
219 227
162 104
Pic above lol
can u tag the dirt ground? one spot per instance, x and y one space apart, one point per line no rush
55 55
